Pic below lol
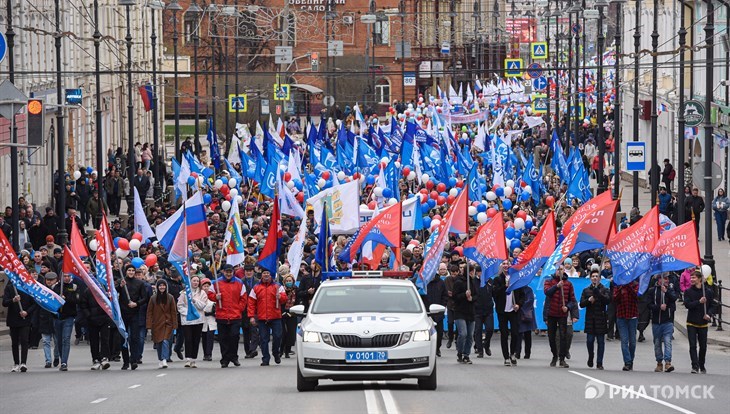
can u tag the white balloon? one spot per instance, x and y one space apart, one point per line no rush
121 253
232 183
384 160
519 223
341 175
435 223
425 177
482 217
706 270
233 192
491 196
464 135
392 201
454 192
364 207
134 245
378 191
510 183
529 218
507 191
321 182
397 165
226 205
93 245
472 210
290 184
239 199
411 176
77 175
527 189
218 184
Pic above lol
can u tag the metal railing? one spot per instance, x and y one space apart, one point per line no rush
720 305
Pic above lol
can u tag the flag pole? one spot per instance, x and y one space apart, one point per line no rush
20 305
210 246
326 241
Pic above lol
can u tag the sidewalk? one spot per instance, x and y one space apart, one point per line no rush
720 253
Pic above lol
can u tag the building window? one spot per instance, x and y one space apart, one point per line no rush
382 91
381 31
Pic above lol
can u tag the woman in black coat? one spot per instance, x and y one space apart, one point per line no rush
594 300
19 323
99 329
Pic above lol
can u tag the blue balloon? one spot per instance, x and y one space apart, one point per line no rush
298 184
524 196
483 187
116 242
387 193
137 262
499 191
518 234
444 194
207 198
509 232
89 170
431 203
427 222
507 204
452 182
370 180
425 207
481 208
191 181
528 225
515 243
224 179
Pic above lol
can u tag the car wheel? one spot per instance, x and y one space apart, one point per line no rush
429 382
304 384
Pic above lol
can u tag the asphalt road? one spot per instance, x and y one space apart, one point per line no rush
485 386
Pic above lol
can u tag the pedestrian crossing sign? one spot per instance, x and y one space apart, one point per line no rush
580 111
281 91
539 50
540 104
513 68
237 103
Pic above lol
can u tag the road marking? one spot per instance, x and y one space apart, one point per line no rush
371 401
635 393
135 386
97 401
388 400
161 375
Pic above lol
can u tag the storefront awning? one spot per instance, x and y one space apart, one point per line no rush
309 88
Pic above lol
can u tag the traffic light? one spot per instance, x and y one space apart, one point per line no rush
35 122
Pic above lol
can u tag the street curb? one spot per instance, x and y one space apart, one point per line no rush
683 329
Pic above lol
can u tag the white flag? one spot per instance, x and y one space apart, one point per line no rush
140 219
342 200
296 250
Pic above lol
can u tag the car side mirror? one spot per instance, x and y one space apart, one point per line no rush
299 310
435 309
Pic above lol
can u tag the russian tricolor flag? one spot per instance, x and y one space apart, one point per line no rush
197 227
148 95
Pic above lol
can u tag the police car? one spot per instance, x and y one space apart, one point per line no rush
366 329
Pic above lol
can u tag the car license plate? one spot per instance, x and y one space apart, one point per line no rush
366 356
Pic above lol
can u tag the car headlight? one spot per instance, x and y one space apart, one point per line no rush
310 336
420 336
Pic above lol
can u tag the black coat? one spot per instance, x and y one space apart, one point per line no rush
137 293
696 310
13 319
436 294
655 298
142 184
90 309
71 294
464 308
596 316
305 283
484 305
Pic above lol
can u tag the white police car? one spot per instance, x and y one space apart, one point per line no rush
366 329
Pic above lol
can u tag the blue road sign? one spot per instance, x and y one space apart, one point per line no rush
3 47
540 83
636 156
577 28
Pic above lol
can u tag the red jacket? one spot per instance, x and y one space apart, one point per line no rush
555 305
263 303
233 298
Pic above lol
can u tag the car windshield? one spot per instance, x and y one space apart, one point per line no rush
367 298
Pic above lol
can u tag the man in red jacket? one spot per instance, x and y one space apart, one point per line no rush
560 298
264 306
229 293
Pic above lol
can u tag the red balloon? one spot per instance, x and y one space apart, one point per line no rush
326 175
475 203
423 191
150 260
287 176
194 174
224 189
429 185
441 187
123 244
521 214
424 197
300 197
137 236
523 184
491 212
495 187
436 217
434 195
441 200
550 201
450 199
356 176
228 197
406 171
372 205
460 183
459 250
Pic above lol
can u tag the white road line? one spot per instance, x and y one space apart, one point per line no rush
631 391
371 400
390 406
135 386
161 375
97 401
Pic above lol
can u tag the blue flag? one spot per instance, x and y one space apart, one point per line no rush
215 151
475 190
558 163
192 313
322 254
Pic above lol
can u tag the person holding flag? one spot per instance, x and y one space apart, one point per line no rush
64 323
264 308
560 298
662 302
699 301
193 327
20 306
133 297
594 300
464 298
626 299
230 296
508 306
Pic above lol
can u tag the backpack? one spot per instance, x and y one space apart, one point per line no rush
672 174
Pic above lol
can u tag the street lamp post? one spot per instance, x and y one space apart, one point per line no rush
680 119
175 7
708 144
212 8
236 43
654 174
15 218
617 103
61 206
402 14
549 15
599 99
195 11
130 107
155 5
558 36
637 45
97 113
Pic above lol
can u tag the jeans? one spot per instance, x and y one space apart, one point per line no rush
627 330
163 350
555 324
47 348
601 339
697 336
133 351
466 336
662 333
720 220
267 329
513 332
483 330
450 324
62 329
228 339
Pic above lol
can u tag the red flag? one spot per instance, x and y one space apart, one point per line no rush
458 213
488 247
587 208
269 255
78 245
382 229
630 250
676 249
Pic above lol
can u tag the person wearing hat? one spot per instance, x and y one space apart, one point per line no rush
162 320
250 333
99 326
560 298
594 299
192 327
308 285
665 200
46 321
18 318
230 296
63 325
264 310
132 297
662 304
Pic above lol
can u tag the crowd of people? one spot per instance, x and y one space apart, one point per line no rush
248 300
